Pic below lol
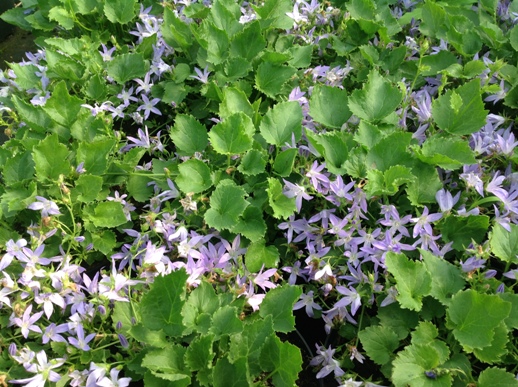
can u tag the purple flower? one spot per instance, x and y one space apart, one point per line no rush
261 279
306 301
446 200
149 106
422 223
202 76
47 207
43 371
319 180
52 333
145 85
26 323
351 298
325 359
14 249
114 380
295 271
81 342
298 192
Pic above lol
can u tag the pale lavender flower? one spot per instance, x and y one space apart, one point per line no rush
43 371
149 106
319 179
351 298
325 359
499 95
422 223
81 342
472 263
295 271
49 300
262 279
26 323
46 207
52 333
145 85
306 301
106 53
446 200
202 76
298 192
473 180
114 380
14 249
126 96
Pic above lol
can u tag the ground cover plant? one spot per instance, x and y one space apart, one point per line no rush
280 193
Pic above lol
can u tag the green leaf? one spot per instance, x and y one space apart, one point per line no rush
445 152
473 317
328 106
410 366
50 159
251 224
189 135
104 241
199 307
88 187
95 155
151 338
434 20
236 67
469 118
498 348
389 151
281 205
496 377
63 67
513 38
168 363
425 334
278 303
376 100
18 168
233 135
227 204
252 163
272 14
259 255
108 214
504 244
248 344
62 107
26 76
126 67
283 164
120 11
379 342
225 321
123 313
301 56
248 43
463 229
280 124
413 280
512 320
34 116
282 361
139 187
218 43
434 64
63 17
235 101
447 279
199 354
423 189
270 78
162 304
194 176
397 319
333 146
176 32
388 182
227 374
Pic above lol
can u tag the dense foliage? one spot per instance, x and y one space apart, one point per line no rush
182 178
